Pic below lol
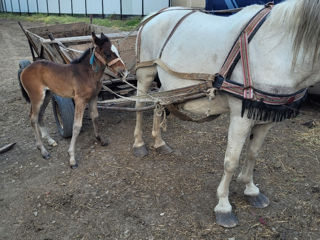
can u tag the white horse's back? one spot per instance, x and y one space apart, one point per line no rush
201 35
202 41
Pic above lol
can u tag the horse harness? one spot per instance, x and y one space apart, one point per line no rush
260 105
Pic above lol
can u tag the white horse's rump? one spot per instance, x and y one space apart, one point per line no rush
200 45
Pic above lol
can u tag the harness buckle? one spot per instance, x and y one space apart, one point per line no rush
218 81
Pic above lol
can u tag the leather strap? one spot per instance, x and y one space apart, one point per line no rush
100 58
165 67
114 61
174 29
184 117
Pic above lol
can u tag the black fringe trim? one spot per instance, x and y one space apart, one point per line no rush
265 112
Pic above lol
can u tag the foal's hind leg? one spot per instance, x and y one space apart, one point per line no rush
94 114
80 105
252 192
145 77
36 103
43 129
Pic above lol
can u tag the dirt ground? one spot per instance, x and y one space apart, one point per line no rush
113 195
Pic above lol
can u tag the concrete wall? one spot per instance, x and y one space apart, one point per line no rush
189 3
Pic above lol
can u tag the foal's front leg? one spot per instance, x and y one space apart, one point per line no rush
77 124
239 129
94 114
252 192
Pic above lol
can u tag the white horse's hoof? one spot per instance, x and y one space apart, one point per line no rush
140 152
45 154
227 220
259 201
74 166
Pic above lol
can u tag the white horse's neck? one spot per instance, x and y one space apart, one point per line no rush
284 19
272 52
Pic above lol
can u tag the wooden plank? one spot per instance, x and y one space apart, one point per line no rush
62 30
83 39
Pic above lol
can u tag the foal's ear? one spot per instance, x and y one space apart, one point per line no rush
95 39
103 36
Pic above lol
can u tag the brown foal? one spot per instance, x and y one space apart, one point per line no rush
80 80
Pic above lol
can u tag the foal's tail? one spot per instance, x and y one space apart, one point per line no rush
23 91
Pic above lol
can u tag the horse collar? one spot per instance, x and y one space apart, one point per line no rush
260 105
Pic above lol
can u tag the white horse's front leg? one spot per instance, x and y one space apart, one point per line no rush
145 76
159 144
252 192
239 129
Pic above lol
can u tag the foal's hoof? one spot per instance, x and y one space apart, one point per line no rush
103 142
259 201
164 149
74 166
46 155
140 151
227 220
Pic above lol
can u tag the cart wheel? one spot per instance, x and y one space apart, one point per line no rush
22 65
63 111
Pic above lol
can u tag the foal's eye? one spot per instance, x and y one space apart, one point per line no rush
107 54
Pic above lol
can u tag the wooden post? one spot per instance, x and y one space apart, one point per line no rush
121 9
90 18
19 7
11 6
142 8
102 9
2 7
28 7
5 5
85 6
71 8
47 7
37 6
59 7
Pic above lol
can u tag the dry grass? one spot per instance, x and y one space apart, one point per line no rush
311 136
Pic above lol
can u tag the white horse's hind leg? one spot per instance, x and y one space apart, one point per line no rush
239 129
252 192
145 76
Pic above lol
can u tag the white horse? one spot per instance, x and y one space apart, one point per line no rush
284 58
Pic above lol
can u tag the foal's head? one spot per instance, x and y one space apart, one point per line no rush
108 55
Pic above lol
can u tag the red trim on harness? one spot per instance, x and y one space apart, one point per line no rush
240 48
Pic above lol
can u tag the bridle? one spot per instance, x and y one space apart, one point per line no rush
101 59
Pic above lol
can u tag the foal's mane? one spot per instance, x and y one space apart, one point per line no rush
305 29
82 57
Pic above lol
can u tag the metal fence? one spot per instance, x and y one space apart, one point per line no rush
85 7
